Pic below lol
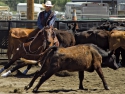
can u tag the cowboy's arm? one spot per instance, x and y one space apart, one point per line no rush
52 21
39 22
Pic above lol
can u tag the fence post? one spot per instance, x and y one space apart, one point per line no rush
74 18
57 23
9 25
30 12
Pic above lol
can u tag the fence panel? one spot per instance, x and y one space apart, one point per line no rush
6 25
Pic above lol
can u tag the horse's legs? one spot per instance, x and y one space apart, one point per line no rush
14 58
100 73
18 66
13 69
27 69
81 77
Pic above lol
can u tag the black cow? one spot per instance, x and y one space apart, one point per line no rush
99 36
120 26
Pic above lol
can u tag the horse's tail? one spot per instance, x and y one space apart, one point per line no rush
42 56
10 47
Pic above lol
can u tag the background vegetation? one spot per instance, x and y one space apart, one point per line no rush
59 4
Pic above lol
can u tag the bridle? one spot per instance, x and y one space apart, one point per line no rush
29 52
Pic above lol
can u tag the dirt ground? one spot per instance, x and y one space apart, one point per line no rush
16 82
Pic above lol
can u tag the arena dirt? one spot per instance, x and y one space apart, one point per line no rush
16 82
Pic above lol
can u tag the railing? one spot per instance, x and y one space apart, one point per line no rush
6 25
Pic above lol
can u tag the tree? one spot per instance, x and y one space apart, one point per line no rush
13 3
59 5
2 4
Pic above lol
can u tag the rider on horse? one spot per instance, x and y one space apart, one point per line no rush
47 18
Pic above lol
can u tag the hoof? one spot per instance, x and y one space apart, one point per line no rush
1 70
25 72
34 90
81 88
27 87
106 88
6 74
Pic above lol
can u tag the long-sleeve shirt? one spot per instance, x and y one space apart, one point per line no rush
46 14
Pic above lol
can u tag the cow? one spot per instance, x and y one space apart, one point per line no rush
109 26
75 58
116 40
100 36
108 58
17 36
119 26
65 39
93 35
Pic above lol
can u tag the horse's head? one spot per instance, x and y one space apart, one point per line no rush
49 35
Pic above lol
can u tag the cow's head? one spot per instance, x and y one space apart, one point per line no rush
110 61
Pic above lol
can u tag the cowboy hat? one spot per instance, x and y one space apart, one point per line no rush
48 3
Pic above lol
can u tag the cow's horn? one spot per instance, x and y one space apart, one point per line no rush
28 61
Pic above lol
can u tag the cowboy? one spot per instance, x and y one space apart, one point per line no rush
47 17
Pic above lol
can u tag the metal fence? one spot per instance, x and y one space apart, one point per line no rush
6 25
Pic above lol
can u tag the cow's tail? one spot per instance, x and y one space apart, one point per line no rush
42 56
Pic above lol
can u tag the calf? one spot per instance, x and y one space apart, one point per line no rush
75 58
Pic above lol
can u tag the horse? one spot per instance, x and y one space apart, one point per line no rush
65 39
17 36
31 50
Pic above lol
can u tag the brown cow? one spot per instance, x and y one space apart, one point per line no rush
116 39
17 36
75 58
116 43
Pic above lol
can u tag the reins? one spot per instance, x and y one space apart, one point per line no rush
34 39
32 52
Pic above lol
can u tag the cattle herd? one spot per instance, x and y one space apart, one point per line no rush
78 50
